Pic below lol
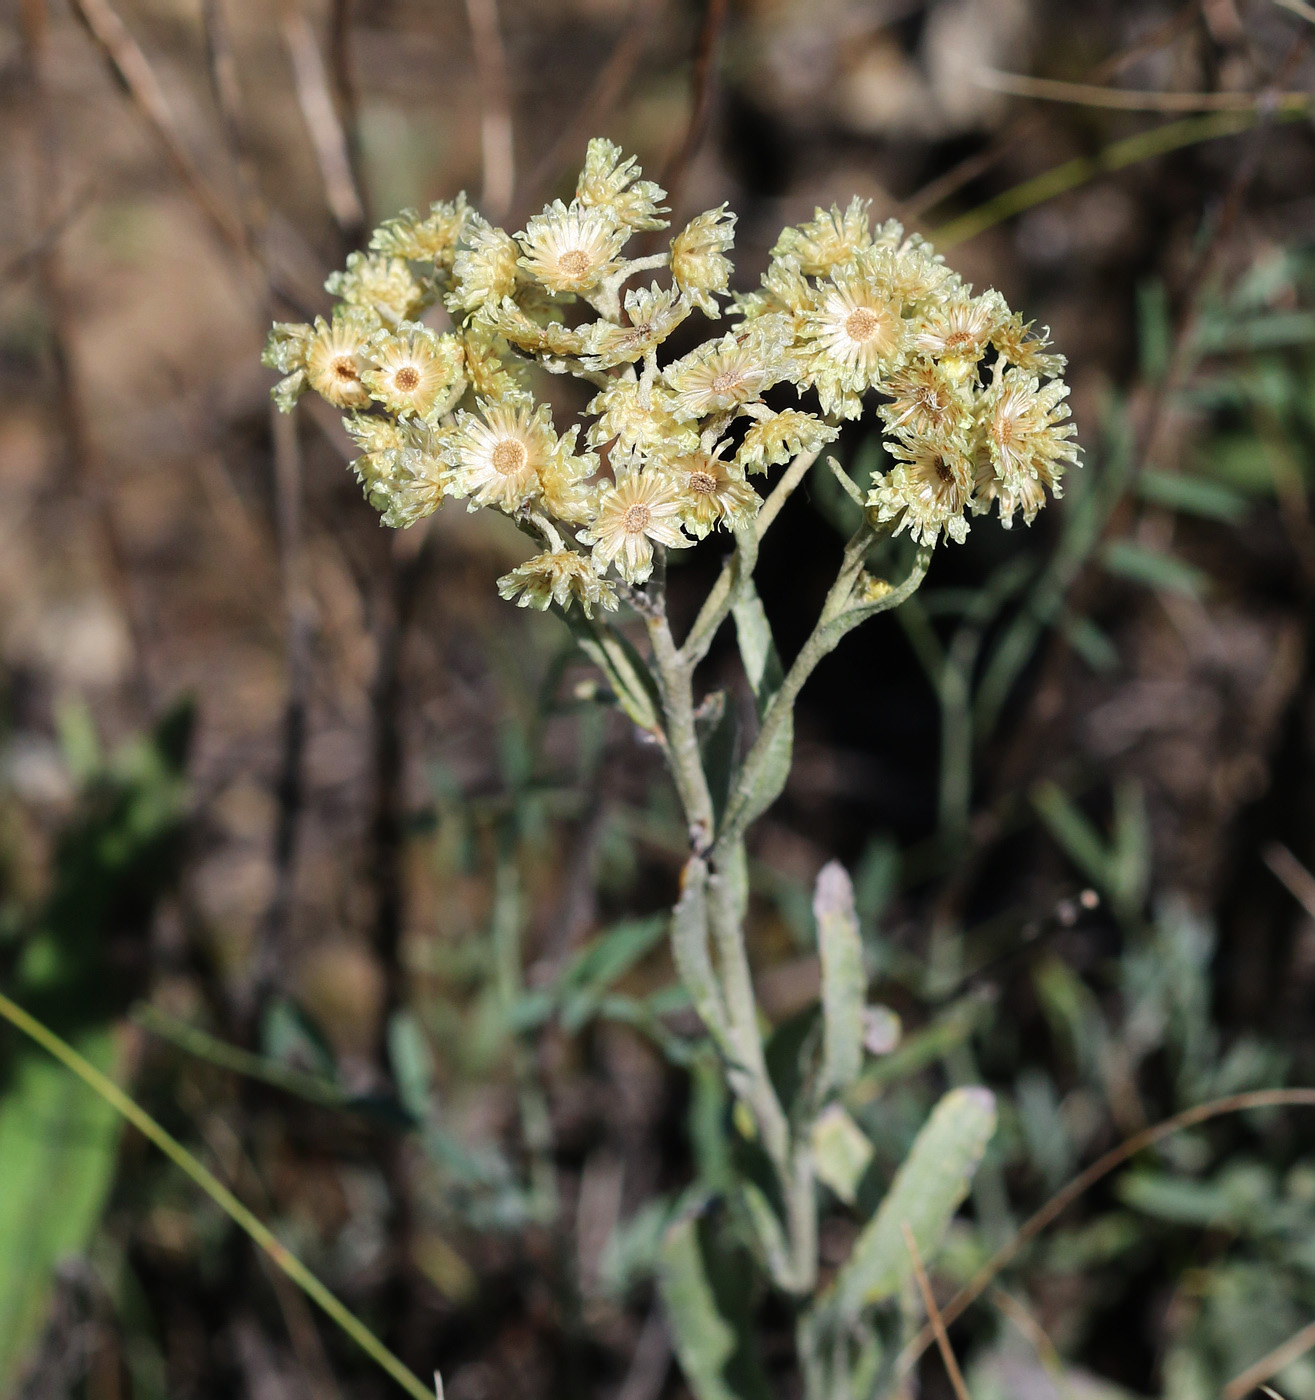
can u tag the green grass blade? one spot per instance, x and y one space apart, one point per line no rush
110 1092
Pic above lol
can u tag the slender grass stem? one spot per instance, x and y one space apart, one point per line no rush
219 1193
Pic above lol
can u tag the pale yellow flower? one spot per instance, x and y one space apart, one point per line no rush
725 374
639 421
611 184
1020 347
386 286
926 400
496 455
335 357
1026 440
571 249
641 509
699 265
781 436
958 332
653 313
561 577
711 492
926 491
856 336
828 239
485 268
431 237
415 370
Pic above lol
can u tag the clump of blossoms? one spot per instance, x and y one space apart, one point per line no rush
432 351
436 328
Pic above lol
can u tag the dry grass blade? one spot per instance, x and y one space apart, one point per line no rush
29 260
705 74
332 153
1284 1354
1128 100
135 74
937 1322
1292 875
1298 7
495 127
1084 1181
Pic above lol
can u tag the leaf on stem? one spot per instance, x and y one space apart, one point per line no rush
844 981
707 1307
689 948
925 1194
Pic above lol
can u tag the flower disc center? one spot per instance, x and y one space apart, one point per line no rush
344 367
636 519
702 483
575 263
407 378
509 457
862 324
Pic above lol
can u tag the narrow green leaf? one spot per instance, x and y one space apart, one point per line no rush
707 1308
1080 841
689 948
1192 495
844 982
1163 571
925 1194
58 1143
757 649
773 774
412 1064
600 965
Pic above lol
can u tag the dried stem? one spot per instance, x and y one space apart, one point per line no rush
496 131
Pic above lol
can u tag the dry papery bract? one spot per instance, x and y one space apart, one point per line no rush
434 330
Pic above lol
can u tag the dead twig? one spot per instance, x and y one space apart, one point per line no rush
329 140
935 1321
1270 1364
343 73
1292 875
704 88
495 128
613 79
134 74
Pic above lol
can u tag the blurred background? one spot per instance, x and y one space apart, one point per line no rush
332 858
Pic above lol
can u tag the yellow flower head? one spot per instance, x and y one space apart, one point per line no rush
496 456
1026 439
335 357
827 239
1016 344
385 286
711 492
699 265
571 249
857 336
726 374
958 332
612 185
926 400
431 237
484 268
640 510
778 437
653 312
927 490
637 423
558 576
415 370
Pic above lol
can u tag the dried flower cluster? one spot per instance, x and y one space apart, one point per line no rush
854 319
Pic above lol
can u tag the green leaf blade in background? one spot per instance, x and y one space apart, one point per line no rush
844 982
58 1145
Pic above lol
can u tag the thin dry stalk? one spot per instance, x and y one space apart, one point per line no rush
1298 7
1128 100
328 138
1083 1182
1030 1328
133 72
495 127
936 1322
342 70
1292 875
706 55
613 79
1283 1355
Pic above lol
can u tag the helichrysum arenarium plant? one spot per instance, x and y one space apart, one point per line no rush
430 351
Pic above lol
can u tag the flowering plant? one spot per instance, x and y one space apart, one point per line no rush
430 349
